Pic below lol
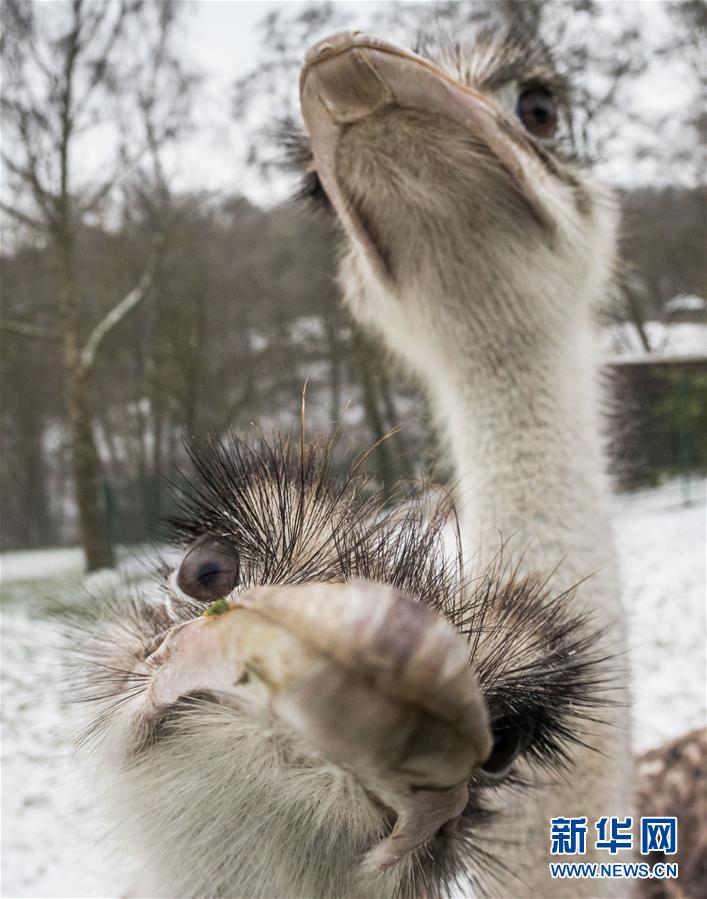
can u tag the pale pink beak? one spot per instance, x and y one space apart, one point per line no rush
351 76
373 680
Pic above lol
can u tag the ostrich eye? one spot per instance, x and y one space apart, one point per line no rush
510 738
209 571
537 110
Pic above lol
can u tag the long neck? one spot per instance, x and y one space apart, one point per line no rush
523 429
510 365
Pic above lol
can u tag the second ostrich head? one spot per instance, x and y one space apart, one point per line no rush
478 249
456 185
317 702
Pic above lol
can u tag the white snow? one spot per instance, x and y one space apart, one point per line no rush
39 564
661 541
51 846
44 564
674 340
685 302
49 836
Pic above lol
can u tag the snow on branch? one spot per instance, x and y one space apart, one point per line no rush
132 299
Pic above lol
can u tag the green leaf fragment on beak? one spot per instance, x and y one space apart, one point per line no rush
217 607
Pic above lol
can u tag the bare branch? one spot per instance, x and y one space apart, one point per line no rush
22 217
103 55
129 302
130 163
29 176
631 295
25 329
72 41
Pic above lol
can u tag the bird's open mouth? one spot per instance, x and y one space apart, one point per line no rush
351 76
375 682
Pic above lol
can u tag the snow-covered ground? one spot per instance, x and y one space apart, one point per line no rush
50 834
661 541
674 340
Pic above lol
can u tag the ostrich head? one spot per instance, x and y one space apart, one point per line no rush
471 232
316 701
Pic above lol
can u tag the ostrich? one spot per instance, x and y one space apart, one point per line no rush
478 249
318 701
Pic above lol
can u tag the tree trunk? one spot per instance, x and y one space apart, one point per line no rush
636 312
157 475
384 456
334 361
39 524
34 524
86 465
87 474
386 392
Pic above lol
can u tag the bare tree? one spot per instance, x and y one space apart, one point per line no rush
72 72
690 43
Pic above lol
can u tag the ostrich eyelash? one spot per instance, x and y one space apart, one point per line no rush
297 157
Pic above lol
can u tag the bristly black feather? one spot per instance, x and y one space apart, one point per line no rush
518 56
497 55
514 55
298 158
291 520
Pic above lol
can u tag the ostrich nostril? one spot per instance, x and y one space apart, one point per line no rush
320 51
335 43
339 77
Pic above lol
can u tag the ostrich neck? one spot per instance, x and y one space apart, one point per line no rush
523 429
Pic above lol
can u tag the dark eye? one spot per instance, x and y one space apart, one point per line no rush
210 570
537 110
510 738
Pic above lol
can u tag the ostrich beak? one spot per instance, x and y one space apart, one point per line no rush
375 682
351 76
